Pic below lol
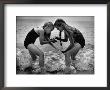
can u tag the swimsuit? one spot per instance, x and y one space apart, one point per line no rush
77 35
30 38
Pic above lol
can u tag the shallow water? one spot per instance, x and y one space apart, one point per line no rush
84 24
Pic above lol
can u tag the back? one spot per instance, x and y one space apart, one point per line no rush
77 35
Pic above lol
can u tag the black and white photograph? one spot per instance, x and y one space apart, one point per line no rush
55 45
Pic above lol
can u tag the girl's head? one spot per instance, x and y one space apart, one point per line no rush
48 27
59 24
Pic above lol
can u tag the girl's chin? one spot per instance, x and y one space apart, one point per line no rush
48 32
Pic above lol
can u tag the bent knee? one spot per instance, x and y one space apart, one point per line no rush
67 53
78 46
75 49
41 54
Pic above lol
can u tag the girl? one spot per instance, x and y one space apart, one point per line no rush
75 37
44 38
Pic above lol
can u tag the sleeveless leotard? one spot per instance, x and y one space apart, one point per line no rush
30 38
77 35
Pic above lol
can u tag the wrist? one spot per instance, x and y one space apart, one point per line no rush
57 38
63 51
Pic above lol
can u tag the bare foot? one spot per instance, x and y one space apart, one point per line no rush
43 70
69 70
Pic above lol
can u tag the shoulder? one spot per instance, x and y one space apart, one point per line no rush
38 30
70 29
77 30
41 31
73 29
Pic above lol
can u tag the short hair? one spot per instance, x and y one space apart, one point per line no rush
59 22
48 24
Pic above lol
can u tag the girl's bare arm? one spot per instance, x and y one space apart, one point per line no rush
52 45
42 38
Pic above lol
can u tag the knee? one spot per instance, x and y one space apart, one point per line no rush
41 54
67 54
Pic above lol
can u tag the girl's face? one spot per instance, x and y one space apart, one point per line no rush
48 29
60 28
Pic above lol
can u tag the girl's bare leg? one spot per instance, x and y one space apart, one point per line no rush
33 56
71 53
67 59
75 50
68 63
34 50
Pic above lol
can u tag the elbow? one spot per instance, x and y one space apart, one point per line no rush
41 43
65 40
71 44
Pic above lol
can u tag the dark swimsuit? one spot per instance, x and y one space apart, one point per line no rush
79 37
30 38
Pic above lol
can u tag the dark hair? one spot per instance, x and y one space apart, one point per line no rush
59 22
48 24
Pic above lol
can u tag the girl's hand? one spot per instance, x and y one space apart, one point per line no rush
54 40
57 38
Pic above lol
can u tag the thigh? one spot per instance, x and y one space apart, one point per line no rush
75 49
34 49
